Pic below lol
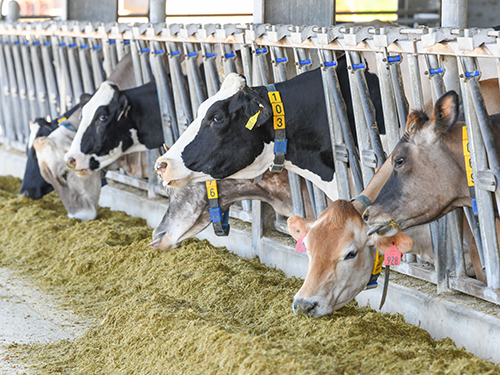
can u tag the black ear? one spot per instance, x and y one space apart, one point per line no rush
445 111
124 106
258 105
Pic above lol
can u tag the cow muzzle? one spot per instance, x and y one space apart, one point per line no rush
173 175
378 224
302 306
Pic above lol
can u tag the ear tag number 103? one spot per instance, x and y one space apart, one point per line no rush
392 257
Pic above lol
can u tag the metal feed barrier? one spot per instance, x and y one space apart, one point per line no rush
45 67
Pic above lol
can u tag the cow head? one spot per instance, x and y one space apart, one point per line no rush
104 132
34 185
208 147
341 256
79 195
428 172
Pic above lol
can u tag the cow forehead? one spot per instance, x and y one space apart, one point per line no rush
102 97
231 85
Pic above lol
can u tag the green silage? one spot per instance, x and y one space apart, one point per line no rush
195 310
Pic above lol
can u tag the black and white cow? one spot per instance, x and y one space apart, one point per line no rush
34 185
114 123
218 145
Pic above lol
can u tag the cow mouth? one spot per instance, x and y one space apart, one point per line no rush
157 240
386 229
180 183
82 172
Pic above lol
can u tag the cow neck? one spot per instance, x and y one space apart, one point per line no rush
145 112
309 146
374 186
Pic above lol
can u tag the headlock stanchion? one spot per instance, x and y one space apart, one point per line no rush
41 74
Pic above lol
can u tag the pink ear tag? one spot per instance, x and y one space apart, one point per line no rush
392 257
301 247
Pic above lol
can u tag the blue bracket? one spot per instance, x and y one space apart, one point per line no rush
280 146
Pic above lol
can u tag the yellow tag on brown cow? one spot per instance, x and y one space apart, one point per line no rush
252 121
212 189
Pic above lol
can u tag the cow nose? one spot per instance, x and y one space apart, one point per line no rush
304 307
71 163
161 166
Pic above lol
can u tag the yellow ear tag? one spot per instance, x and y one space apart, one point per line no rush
252 121
61 120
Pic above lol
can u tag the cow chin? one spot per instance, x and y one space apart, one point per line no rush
84 215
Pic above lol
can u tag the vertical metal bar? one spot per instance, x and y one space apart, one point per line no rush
246 61
8 113
65 78
76 82
196 87
136 63
143 57
182 106
388 102
40 89
13 89
337 139
416 84
30 81
209 66
165 97
88 82
228 56
52 87
21 84
399 92
96 61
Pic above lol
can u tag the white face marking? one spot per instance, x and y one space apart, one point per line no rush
103 96
34 128
176 168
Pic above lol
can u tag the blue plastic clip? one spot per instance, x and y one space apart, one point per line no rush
17 42
126 42
36 43
175 53
72 45
330 63
474 207
26 43
144 50
358 66
159 52
305 62
393 59
191 54
46 43
84 46
96 47
283 59
280 146
211 54
112 41
475 73
62 44
259 51
8 42
229 55
436 71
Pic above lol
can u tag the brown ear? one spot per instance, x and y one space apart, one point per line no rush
403 242
298 226
445 111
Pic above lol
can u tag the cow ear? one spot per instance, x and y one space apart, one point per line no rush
124 106
403 242
258 105
298 226
84 98
445 112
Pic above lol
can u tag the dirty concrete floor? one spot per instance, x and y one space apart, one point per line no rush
28 315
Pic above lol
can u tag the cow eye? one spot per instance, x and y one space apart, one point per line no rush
399 162
65 175
103 118
217 118
351 255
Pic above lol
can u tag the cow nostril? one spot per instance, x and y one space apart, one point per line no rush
161 166
304 307
71 163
